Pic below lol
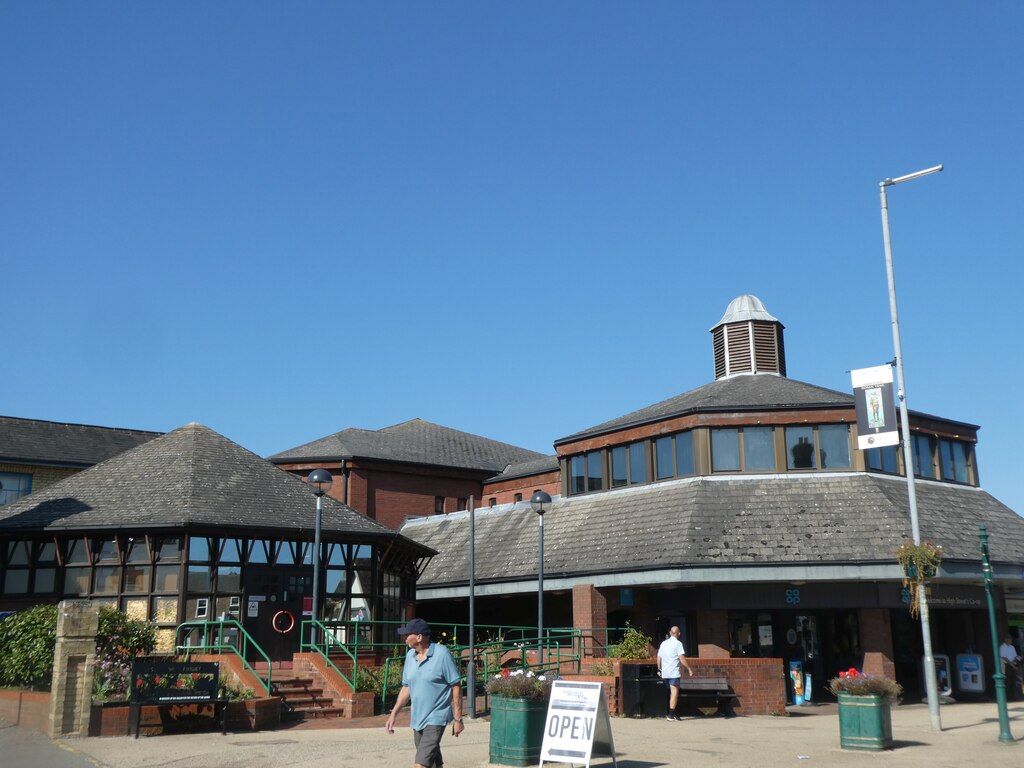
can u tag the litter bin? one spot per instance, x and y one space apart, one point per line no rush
643 693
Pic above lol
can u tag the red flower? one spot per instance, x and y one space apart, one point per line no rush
157 680
195 675
139 682
506 672
180 683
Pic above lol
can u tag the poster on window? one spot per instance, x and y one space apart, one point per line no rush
876 407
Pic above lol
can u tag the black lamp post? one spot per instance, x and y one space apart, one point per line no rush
537 502
320 481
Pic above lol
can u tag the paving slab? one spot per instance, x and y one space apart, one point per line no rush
808 737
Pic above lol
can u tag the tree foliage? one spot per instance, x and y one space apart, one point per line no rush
27 640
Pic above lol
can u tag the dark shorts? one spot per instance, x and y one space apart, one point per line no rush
428 746
671 682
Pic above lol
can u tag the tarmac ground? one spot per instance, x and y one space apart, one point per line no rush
808 737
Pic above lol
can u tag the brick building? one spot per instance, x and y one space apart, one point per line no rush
743 512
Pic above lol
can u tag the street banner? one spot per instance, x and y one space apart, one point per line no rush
577 724
876 407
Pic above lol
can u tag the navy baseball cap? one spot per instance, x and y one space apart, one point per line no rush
415 627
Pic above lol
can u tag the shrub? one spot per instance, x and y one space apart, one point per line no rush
234 693
371 679
27 640
857 684
633 646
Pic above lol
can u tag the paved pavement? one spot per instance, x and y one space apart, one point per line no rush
809 737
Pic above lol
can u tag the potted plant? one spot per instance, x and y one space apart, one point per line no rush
865 714
918 563
519 705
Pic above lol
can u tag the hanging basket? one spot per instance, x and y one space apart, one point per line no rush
919 562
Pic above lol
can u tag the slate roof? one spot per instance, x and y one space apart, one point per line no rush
817 518
752 391
411 442
526 468
31 441
192 476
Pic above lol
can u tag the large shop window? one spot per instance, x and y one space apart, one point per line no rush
750 449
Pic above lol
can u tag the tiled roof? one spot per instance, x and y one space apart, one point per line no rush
526 468
412 442
732 393
31 441
771 520
192 476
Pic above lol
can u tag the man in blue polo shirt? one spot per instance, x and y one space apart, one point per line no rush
431 679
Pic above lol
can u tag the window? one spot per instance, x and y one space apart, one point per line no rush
684 454
637 463
461 506
800 448
493 501
439 505
725 450
664 466
517 498
924 455
758 448
955 457
882 459
834 446
586 472
14 485
754 445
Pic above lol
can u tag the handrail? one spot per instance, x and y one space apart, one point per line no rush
220 646
330 641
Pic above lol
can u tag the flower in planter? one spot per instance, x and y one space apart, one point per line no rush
858 684
521 683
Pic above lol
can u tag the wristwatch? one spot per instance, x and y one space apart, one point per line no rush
457 720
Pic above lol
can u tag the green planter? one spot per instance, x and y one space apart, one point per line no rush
517 730
865 722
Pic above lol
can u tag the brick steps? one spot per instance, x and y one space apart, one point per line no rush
302 699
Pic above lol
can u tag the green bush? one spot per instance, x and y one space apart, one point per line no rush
27 640
634 645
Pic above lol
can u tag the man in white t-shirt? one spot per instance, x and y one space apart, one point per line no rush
1011 667
671 656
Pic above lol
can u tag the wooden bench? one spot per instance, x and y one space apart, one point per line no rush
174 684
714 690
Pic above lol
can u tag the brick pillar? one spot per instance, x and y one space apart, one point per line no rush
876 642
73 661
713 634
590 613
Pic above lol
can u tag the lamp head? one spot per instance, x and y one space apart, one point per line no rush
320 480
538 500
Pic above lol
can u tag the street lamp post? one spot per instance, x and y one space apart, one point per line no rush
999 677
320 480
931 684
537 502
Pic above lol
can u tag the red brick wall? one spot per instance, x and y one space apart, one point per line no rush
29 709
876 642
504 491
713 634
759 684
590 610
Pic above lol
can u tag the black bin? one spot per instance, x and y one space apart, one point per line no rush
643 694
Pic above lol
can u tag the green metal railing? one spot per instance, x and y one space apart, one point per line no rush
329 631
217 637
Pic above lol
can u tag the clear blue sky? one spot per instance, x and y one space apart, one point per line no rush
515 219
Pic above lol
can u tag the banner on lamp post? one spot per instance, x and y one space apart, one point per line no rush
876 407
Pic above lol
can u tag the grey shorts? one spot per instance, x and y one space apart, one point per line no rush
671 682
428 746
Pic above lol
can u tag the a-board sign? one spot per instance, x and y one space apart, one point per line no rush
577 725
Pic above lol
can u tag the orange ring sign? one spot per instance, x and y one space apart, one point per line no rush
278 627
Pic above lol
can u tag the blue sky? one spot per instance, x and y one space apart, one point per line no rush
514 219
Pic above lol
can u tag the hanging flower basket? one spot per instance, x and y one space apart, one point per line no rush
918 562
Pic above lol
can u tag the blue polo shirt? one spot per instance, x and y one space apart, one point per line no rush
430 683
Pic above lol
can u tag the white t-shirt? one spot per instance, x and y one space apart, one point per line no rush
668 656
1008 652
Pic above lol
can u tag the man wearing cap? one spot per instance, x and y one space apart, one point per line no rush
431 679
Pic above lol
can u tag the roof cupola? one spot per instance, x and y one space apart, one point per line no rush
748 340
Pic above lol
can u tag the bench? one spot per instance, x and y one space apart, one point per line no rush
174 684
714 690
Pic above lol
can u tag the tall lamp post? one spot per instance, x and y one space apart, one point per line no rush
931 684
537 502
1000 677
320 481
